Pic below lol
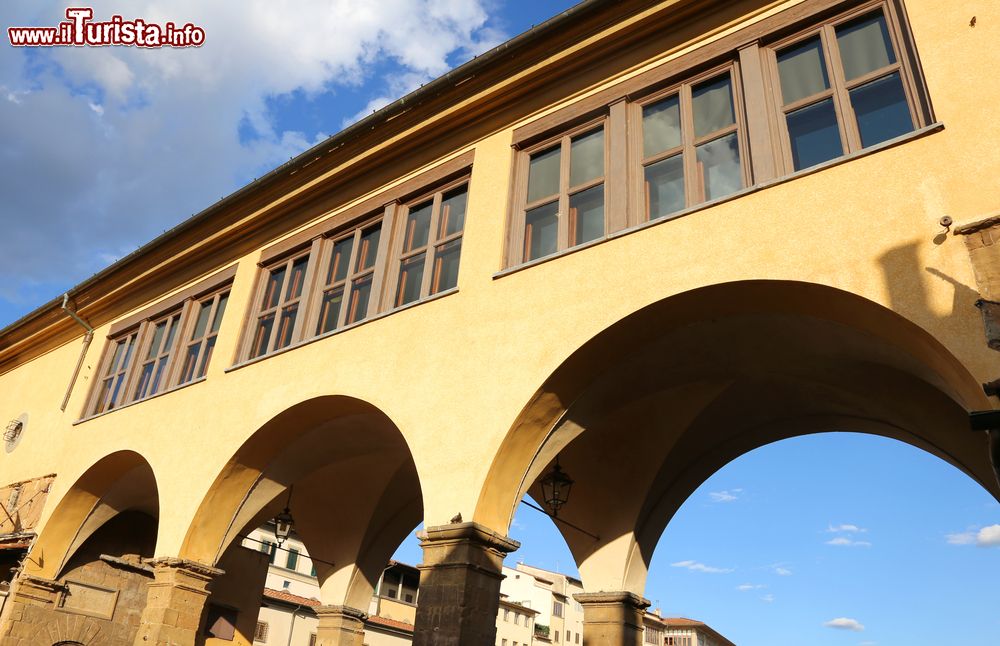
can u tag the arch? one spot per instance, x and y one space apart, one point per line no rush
355 492
119 482
650 407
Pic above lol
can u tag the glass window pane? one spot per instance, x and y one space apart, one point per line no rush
368 247
285 326
202 322
220 309
191 356
154 346
262 335
113 364
411 273
719 166
418 227
116 390
446 259
129 345
103 397
712 103
802 69
541 231
864 45
339 261
174 324
453 205
543 174
154 386
360 292
586 212
814 135
329 311
296 279
665 187
144 377
273 290
661 126
586 158
881 109
203 367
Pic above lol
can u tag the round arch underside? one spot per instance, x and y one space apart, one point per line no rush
646 411
355 493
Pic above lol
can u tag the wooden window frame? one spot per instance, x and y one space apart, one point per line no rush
607 119
301 302
694 184
906 65
193 309
765 155
435 241
141 328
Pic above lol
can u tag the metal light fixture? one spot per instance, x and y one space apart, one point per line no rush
283 522
555 488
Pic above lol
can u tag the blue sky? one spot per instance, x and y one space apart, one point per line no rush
103 149
810 530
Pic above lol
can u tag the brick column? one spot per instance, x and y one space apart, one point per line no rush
612 618
460 585
175 602
340 626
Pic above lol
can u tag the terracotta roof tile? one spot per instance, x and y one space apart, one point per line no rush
282 595
391 623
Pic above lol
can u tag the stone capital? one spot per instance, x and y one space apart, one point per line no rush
468 532
340 611
618 597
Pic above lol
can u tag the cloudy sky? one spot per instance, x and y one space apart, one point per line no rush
105 148
829 540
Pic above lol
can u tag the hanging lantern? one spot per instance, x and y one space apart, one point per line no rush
283 522
555 488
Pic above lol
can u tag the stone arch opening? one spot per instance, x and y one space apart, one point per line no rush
649 408
347 475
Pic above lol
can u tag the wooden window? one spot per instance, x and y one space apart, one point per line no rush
293 559
260 632
111 391
157 350
278 316
201 341
842 86
430 243
312 639
350 273
562 201
691 145
148 355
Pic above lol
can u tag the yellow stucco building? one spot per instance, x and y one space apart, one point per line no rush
645 237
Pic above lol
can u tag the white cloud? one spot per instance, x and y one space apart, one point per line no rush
728 495
983 537
841 541
989 536
695 566
849 529
845 623
750 586
767 598
782 571
133 141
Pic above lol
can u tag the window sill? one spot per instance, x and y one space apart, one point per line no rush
346 328
891 143
140 401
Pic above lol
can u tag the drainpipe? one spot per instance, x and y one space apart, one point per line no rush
87 338
291 628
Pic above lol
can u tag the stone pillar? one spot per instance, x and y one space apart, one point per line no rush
175 602
340 626
28 608
460 585
612 618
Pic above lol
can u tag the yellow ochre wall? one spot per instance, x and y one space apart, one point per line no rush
454 374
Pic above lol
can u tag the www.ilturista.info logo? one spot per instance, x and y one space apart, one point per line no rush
79 30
